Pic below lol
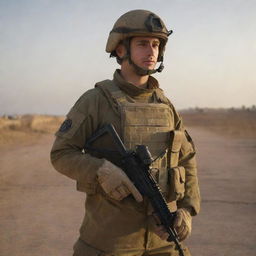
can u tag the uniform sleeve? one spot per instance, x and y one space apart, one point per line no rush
67 155
187 159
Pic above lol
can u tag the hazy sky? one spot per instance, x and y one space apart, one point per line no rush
51 51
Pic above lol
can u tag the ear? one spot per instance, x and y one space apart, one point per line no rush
120 51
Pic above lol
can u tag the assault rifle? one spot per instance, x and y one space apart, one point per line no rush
136 166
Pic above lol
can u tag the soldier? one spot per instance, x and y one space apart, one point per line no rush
118 220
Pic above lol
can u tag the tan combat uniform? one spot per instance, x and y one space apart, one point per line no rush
140 116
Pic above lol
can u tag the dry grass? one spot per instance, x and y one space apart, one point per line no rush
27 129
236 123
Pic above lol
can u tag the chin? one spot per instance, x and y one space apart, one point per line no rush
149 67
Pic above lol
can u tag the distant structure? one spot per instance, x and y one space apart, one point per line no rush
11 117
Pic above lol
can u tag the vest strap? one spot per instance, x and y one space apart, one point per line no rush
107 88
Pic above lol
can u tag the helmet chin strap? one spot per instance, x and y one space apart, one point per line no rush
144 72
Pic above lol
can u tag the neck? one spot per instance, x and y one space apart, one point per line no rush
130 76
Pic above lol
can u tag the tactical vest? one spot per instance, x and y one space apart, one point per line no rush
150 124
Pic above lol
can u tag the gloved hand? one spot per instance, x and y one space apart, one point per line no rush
115 182
183 223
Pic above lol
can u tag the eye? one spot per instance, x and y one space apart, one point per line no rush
156 45
142 43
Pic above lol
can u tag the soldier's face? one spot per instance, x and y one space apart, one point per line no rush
144 51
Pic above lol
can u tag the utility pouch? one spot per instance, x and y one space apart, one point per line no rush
176 141
177 178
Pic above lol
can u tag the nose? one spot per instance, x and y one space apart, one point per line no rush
151 50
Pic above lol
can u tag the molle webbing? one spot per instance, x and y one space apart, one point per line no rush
148 124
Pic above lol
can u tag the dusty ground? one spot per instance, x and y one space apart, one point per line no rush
40 210
227 222
235 123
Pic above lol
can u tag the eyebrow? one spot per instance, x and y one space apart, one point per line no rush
145 41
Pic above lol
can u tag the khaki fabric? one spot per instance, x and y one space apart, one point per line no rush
81 248
110 225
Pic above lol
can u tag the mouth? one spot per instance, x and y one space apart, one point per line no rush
149 62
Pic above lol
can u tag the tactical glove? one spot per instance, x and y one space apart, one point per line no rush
183 223
115 182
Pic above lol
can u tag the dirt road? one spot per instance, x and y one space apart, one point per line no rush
40 210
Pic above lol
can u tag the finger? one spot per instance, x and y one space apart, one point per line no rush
134 191
108 185
116 195
179 229
177 221
184 234
123 190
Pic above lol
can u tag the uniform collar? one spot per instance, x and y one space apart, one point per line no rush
133 90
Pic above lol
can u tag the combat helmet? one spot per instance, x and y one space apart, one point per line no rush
138 23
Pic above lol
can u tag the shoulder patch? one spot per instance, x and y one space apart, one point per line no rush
66 125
